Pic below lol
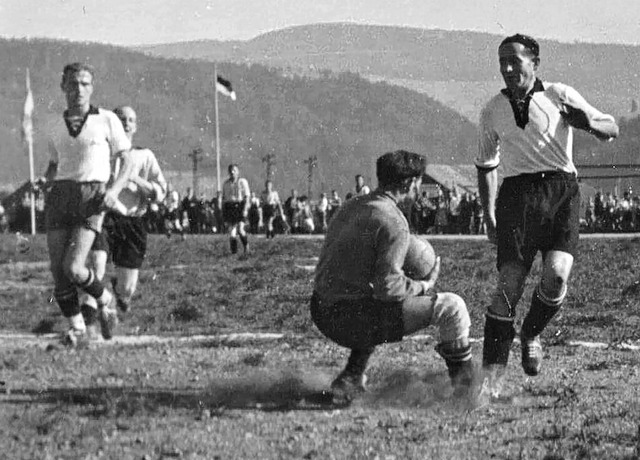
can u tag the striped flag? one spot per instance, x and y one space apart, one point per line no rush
224 86
27 124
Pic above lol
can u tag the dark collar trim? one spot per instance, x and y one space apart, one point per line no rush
521 107
74 131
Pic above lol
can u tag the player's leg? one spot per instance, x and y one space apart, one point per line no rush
85 278
448 312
359 328
96 261
65 291
559 196
546 302
130 248
498 328
233 238
242 232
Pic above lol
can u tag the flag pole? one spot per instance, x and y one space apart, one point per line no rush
29 139
215 91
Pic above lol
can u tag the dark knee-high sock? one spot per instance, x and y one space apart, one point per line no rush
498 337
358 360
92 286
245 241
540 314
233 243
68 301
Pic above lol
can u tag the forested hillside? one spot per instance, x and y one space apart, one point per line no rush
343 119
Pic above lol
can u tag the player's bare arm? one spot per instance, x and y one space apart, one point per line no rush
127 171
488 188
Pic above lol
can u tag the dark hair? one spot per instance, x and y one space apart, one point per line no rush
528 42
393 168
231 166
76 67
359 175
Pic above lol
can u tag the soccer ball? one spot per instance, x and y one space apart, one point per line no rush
420 259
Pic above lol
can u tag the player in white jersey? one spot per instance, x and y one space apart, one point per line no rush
528 129
81 145
235 207
271 208
361 188
127 232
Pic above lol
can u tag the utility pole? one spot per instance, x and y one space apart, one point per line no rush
196 157
270 160
312 162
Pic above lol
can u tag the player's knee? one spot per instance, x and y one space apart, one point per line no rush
552 291
453 316
76 272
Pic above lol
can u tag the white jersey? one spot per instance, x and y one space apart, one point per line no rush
86 157
270 198
365 190
545 143
145 166
235 191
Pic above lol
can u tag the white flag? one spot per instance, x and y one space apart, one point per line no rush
27 124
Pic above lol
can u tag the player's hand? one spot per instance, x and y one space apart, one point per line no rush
575 117
111 201
430 281
490 223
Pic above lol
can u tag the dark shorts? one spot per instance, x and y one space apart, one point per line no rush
71 204
358 324
232 211
537 212
128 241
101 242
269 211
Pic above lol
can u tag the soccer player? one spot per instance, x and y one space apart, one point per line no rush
362 298
128 233
235 207
528 129
361 188
173 219
80 146
271 208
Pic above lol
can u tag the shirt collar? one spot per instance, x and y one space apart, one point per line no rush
537 87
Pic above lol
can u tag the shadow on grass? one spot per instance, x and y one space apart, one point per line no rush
258 391
266 391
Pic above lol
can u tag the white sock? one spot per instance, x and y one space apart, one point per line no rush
86 299
105 298
77 322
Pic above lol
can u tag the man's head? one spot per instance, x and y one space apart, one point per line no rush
359 180
77 85
268 184
129 120
519 60
401 172
234 171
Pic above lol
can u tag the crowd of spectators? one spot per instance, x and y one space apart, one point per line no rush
607 212
437 211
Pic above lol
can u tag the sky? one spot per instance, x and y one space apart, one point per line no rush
136 22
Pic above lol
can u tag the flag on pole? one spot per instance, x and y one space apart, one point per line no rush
224 86
27 124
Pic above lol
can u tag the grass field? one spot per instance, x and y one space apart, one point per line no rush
251 398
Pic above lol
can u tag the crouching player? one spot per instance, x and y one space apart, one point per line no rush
362 298
128 233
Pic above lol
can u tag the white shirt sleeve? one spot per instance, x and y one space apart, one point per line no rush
488 142
573 98
118 140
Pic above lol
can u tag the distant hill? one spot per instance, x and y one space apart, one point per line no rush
343 119
458 68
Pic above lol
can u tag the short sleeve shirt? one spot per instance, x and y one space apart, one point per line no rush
545 143
87 156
